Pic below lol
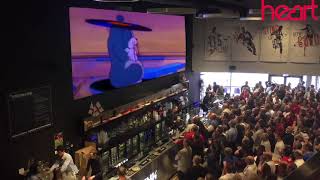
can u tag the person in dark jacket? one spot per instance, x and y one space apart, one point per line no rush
288 137
196 171
213 158
95 166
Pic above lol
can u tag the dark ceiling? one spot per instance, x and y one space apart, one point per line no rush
240 5
230 4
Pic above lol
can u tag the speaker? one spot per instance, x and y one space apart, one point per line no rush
232 68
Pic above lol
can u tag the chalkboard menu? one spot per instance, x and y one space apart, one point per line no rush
30 110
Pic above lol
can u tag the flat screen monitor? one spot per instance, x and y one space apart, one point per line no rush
116 49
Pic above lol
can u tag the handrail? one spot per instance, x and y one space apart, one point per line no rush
309 170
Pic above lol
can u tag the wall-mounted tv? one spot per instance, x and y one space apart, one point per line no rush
114 49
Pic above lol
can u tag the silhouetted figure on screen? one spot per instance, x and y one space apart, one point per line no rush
122 47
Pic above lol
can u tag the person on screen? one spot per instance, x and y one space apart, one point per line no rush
122 73
132 51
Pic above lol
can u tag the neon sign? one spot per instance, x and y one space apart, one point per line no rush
284 13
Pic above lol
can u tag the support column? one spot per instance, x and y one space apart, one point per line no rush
308 81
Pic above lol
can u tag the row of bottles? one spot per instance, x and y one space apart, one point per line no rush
140 144
159 111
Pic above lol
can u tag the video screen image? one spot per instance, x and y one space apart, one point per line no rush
115 49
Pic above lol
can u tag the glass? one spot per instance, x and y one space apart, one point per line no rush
142 139
277 79
239 79
163 128
105 160
158 132
293 80
129 147
114 157
135 145
236 79
304 78
122 151
314 80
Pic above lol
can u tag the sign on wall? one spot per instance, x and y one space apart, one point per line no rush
218 41
274 41
245 41
305 42
254 41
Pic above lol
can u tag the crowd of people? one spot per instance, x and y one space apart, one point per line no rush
263 133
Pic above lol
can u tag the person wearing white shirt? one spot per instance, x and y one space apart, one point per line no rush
251 167
279 147
68 168
184 158
267 156
228 176
298 158
265 142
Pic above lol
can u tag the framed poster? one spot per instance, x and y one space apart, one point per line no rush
246 41
275 41
305 42
218 36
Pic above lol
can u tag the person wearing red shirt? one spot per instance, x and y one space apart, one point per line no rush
190 135
245 94
280 127
290 119
286 157
295 108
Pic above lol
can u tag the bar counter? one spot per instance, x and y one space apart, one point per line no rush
158 164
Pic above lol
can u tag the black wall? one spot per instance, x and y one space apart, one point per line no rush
39 37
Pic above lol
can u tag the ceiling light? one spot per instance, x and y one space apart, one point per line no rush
208 13
250 18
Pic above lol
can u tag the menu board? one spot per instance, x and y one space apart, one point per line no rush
29 110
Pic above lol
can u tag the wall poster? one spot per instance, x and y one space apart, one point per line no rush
246 41
274 41
218 40
305 42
